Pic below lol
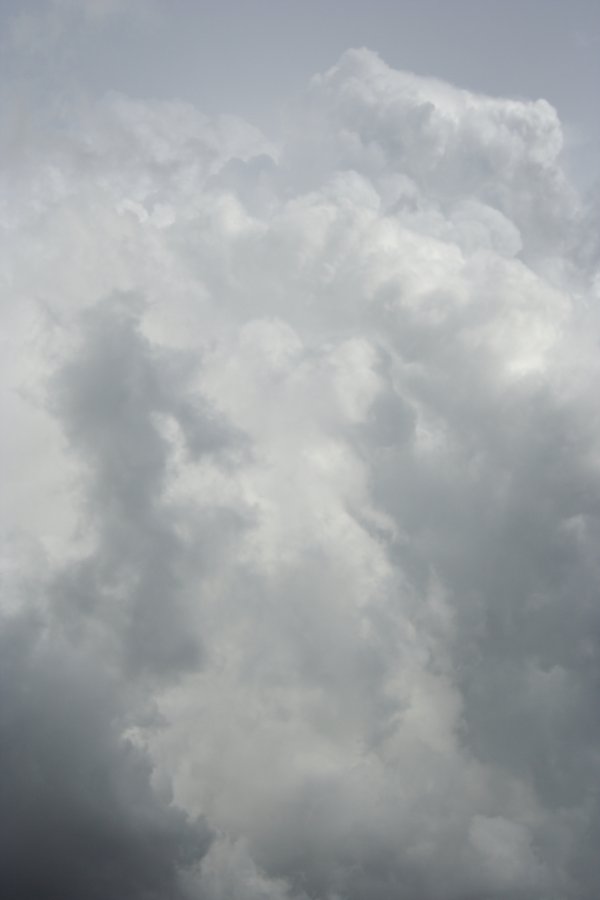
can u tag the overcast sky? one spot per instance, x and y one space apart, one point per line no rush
301 450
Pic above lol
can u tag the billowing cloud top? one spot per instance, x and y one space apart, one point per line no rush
300 591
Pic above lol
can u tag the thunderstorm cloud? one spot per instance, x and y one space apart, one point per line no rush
301 505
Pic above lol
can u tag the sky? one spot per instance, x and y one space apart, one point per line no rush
301 450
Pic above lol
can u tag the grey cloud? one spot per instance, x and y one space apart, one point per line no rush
79 813
139 577
335 493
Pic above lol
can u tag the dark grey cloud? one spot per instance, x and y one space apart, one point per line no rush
79 813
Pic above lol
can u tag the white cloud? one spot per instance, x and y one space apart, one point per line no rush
327 496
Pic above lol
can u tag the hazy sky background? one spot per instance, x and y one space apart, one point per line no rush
300 515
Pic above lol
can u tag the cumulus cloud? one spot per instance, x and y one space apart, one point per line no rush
302 599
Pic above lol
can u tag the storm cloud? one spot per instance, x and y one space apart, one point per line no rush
301 583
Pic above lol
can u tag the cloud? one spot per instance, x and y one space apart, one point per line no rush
312 437
80 815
